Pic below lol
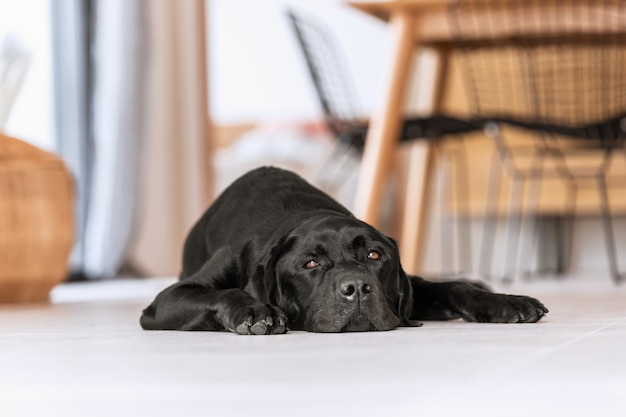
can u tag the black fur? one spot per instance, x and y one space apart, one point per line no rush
273 253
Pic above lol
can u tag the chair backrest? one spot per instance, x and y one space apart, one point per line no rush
543 61
328 70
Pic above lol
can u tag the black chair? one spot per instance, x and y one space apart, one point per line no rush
566 90
337 97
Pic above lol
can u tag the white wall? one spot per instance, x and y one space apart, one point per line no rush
31 118
257 72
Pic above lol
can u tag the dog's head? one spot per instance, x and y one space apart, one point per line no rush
336 274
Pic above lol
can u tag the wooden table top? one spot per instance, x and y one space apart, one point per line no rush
434 26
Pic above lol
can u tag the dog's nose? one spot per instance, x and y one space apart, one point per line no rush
354 288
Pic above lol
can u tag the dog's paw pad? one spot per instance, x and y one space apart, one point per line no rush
263 319
261 326
280 326
244 328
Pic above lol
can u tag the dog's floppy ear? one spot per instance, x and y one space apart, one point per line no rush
272 287
405 305
405 292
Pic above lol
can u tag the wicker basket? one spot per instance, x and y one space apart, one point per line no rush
36 221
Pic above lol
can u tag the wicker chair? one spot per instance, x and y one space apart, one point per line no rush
566 90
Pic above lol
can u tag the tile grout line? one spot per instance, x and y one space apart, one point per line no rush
535 358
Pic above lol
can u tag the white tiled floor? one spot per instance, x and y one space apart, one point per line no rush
85 355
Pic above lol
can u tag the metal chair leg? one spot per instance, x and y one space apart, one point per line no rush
513 228
566 253
455 233
529 215
331 166
609 236
463 225
491 218
447 247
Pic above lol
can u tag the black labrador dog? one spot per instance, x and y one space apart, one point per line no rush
274 253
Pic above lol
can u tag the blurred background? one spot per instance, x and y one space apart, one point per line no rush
156 106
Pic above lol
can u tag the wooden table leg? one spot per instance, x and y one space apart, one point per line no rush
382 136
413 229
419 177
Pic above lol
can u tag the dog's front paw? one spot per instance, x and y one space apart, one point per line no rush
501 308
261 319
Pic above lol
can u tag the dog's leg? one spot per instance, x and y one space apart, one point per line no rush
201 303
450 300
189 306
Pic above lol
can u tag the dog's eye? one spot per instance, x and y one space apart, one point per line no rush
373 255
311 264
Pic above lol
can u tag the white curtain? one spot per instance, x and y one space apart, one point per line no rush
130 79
119 52
177 174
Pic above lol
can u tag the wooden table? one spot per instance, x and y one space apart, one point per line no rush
412 23
423 23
